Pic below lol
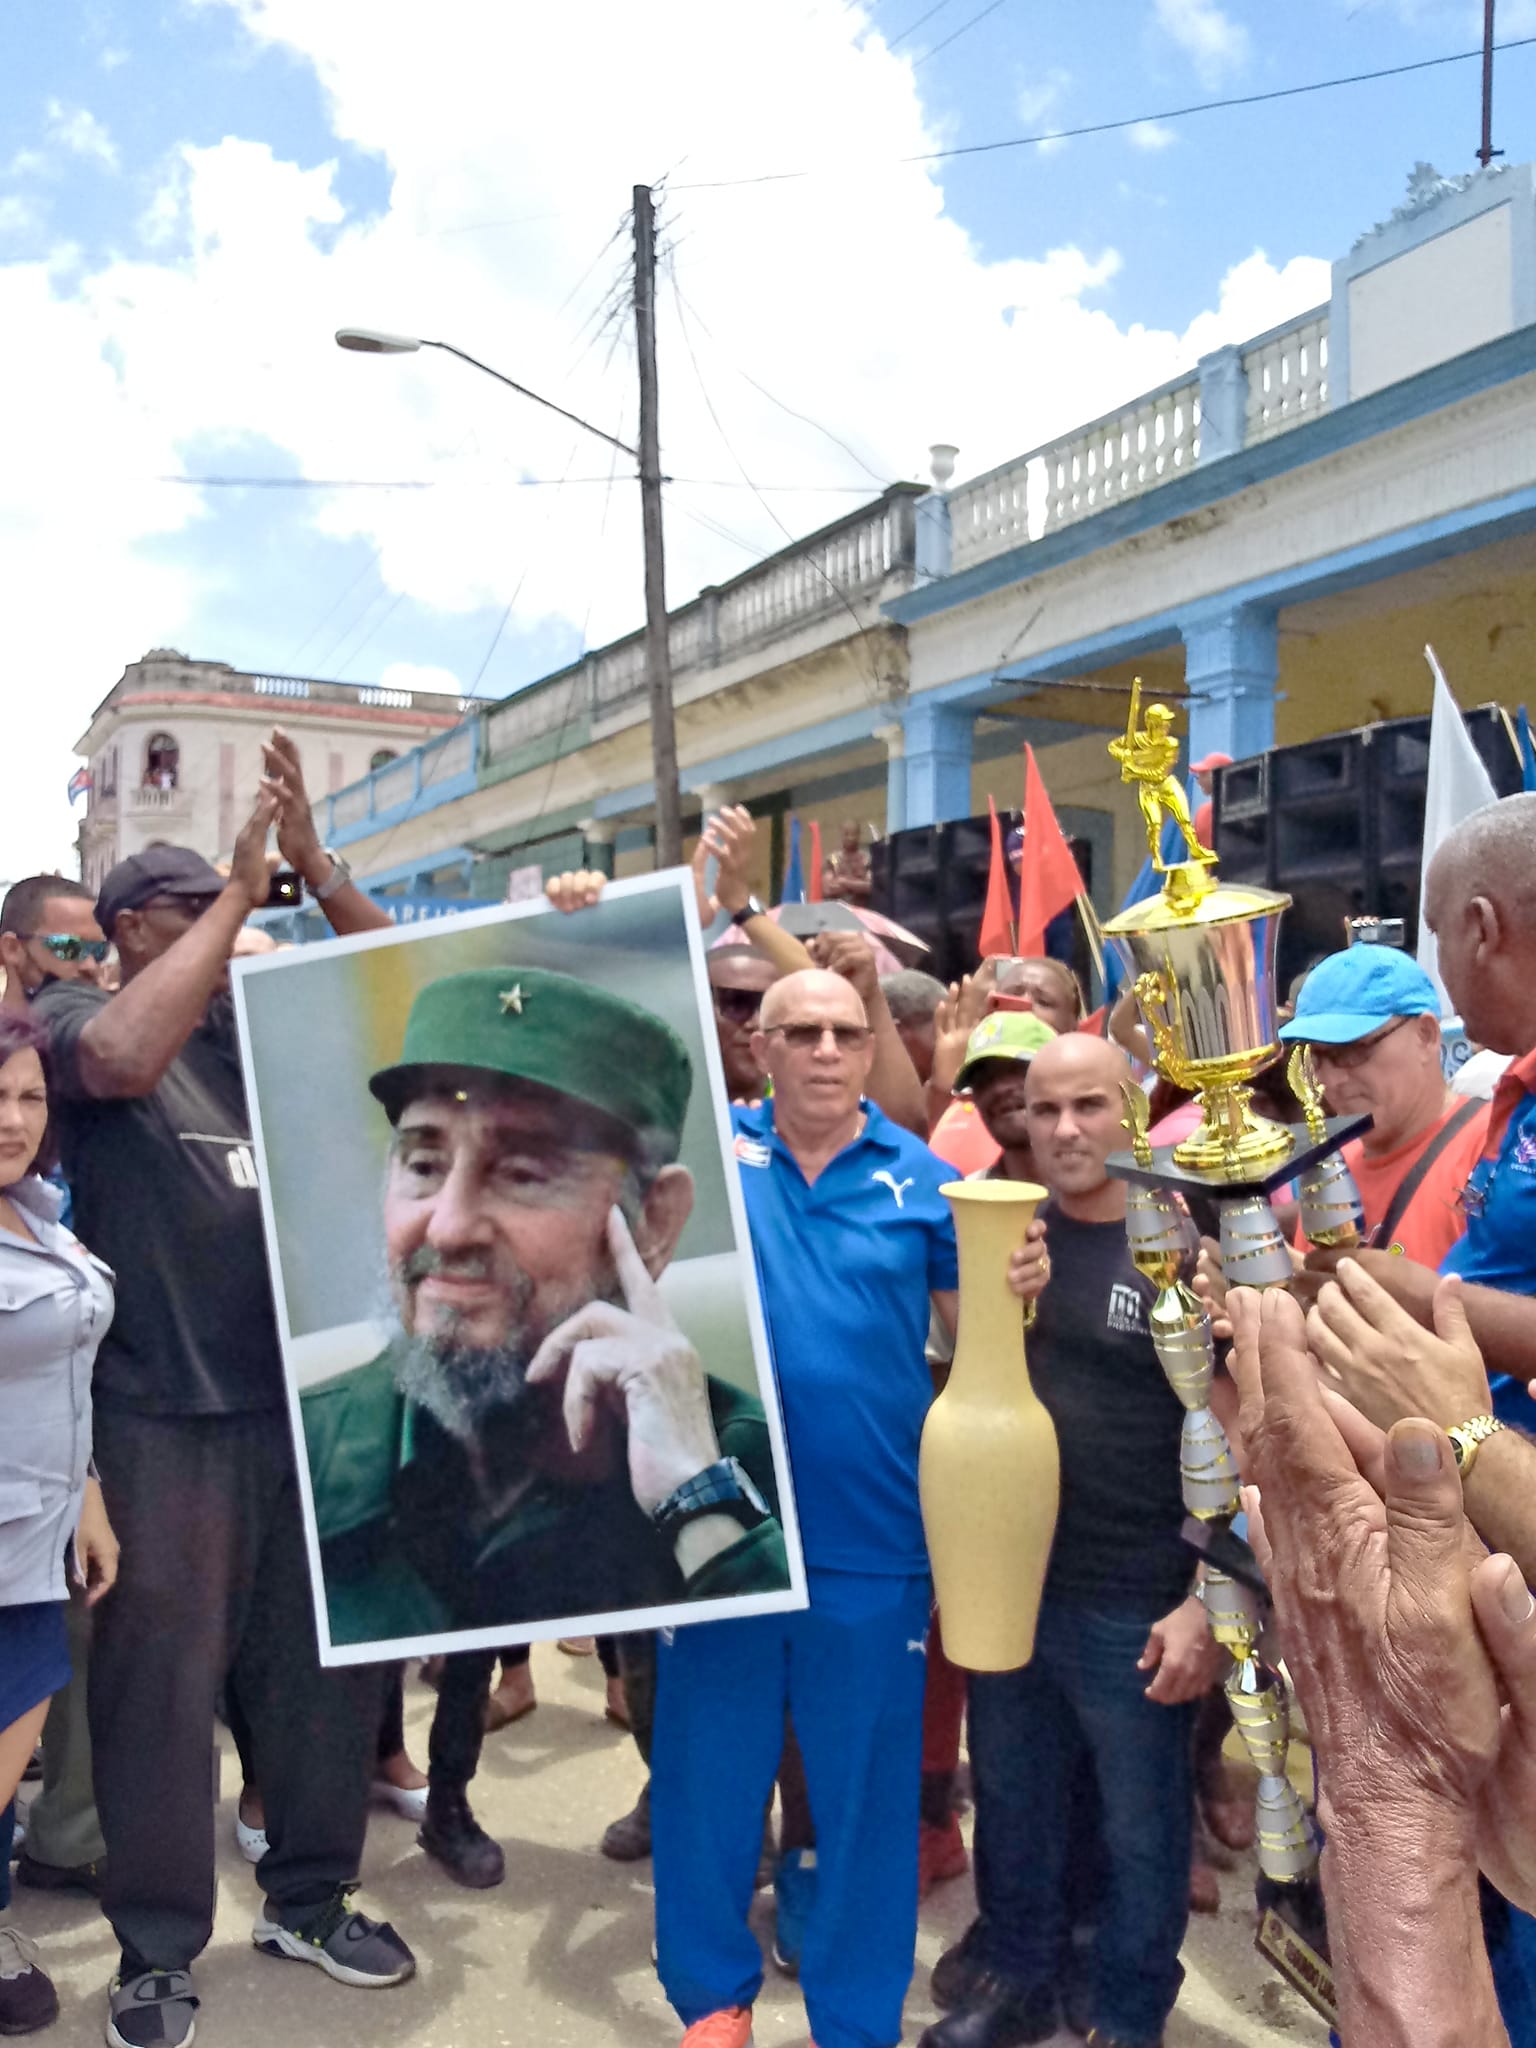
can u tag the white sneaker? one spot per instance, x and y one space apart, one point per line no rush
410 1805
251 1842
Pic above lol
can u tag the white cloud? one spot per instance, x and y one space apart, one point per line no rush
419 675
1151 135
1216 43
18 216
1037 99
78 130
215 330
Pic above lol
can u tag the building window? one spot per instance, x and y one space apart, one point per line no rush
162 761
381 758
108 776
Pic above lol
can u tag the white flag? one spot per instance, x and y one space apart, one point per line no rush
1459 784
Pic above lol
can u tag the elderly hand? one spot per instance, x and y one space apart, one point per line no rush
576 890
96 1548
1387 1362
637 1361
850 955
954 1019
249 869
297 839
1029 1268
1372 1596
1185 1656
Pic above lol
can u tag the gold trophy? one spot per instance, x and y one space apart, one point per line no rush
1201 960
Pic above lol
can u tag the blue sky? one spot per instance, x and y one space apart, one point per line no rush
195 192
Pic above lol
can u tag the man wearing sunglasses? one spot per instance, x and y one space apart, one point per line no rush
48 932
1372 1018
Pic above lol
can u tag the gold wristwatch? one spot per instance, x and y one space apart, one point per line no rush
1467 1437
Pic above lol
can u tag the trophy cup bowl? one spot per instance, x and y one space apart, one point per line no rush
1204 974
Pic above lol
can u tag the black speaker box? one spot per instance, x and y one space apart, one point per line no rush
1338 825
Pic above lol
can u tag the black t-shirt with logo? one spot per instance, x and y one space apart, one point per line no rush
164 1190
1118 1421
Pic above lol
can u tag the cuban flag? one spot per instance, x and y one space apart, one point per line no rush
79 784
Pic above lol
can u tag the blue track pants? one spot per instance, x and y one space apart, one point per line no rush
849 1671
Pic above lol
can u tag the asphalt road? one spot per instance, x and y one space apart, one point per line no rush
560 1953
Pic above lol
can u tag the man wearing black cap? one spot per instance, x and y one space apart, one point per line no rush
193 1445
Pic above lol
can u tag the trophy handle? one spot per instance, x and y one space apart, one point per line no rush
1153 993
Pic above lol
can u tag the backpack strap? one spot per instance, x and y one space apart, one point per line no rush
1415 1177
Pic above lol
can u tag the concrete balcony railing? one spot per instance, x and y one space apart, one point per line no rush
423 773
1144 444
145 799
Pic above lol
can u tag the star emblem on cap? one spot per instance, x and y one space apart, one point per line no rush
511 1000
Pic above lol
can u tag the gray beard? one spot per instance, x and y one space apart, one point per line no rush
462 1385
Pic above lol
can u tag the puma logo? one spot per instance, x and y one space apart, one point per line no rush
898 1189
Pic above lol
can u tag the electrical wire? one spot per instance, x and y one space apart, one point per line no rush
437 483
1251 99
912 28
974 22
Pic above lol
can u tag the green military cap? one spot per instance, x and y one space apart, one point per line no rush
529 1024
1005 1035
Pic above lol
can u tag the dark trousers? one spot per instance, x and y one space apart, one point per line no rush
1083 1692
214 1586
458 1723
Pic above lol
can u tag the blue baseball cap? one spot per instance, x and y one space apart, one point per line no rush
1351 994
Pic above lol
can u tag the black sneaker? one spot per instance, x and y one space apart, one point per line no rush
452 1836
58 1877
1000 2013
346 1945
957 1970
151 2009
27 1997
628 1839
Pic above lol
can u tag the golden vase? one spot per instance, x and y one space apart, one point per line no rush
990 1472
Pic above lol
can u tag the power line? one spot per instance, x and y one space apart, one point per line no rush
959 32
555 483
1252 99
912 28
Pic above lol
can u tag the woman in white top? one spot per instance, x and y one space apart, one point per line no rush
55 1305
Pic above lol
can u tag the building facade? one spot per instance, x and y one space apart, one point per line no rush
174 749
1268 542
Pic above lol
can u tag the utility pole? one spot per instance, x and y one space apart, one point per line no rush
658 651
1487 153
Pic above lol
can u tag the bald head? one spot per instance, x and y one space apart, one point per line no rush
1480 903
814 1044
1074 1108
807 997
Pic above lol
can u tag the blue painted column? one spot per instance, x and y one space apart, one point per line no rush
938 752
1231 660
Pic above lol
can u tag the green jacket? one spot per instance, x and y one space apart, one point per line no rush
405 1553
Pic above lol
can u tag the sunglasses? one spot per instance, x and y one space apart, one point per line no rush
738 1005
66 947
808 1037
1347 1057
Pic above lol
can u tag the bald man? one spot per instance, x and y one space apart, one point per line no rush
1123 1651
854 1243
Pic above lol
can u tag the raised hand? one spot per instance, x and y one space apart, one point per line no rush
297 839
636 1359
729 836
1387 1362
577 890
850 955
249 868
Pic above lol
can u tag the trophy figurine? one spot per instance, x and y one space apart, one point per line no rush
1200 956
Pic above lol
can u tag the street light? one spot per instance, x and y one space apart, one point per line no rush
373 341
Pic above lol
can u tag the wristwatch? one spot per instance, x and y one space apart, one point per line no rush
1468 1437
750 909
720 1489
338 878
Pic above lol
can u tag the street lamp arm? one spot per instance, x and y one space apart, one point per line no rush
523 391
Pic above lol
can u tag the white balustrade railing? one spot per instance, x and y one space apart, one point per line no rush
1287 376
1152 441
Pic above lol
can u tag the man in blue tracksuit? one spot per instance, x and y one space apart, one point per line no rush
853 1242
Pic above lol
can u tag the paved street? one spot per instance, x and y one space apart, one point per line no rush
560 1953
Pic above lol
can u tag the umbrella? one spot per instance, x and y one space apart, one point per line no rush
804 920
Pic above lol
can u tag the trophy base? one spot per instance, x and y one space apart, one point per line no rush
1258 1178
1292 1938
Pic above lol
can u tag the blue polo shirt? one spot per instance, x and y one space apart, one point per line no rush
846 1265
1499 1248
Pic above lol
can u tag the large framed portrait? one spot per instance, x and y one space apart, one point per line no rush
524 1350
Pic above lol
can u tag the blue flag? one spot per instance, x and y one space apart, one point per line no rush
793 890
1527 750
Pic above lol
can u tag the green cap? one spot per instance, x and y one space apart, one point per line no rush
1005 1035
529 1024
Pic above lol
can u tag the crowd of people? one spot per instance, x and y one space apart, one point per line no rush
153 1568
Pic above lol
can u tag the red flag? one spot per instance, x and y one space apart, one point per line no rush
997 918
813 879
1050 881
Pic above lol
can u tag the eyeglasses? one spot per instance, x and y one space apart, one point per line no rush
1347 1057
65 946
808 1037
738 1005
